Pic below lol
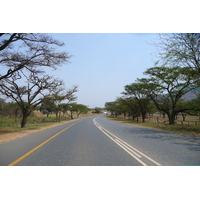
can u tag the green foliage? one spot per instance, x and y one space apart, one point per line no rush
97 110
166 86
179 49
176 73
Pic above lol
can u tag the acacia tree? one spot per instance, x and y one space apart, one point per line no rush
46 107
80 109
77 108
60 95
38 88
179 49
24 56
122 105
140 95
71 108
30 51
133 108
166 86
114 107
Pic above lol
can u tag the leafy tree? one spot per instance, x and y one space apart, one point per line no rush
140 95
184 106
76 108
10 109
166 86
194 104
97 110
122 106
179 49
47 106
113 108
80 109
71 108
60 95
64 108
133 108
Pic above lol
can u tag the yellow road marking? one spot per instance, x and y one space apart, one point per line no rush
31 151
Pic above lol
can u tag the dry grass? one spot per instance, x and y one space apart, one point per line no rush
184 129
14 132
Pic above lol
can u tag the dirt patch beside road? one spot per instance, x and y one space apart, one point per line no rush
6 137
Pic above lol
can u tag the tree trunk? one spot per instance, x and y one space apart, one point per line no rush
24 120
59 116
184 116
171 117
71 114
143 117
56 116
163 115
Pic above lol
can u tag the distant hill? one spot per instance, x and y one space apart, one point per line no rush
189 96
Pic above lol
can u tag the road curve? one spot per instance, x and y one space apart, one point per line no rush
97 141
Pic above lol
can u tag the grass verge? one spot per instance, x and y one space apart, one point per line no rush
36 126
188 130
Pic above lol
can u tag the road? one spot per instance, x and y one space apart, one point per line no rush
97 141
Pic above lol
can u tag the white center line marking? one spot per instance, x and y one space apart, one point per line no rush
127 147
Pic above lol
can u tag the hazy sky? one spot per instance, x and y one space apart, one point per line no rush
102 64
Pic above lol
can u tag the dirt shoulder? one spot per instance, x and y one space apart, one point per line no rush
6 137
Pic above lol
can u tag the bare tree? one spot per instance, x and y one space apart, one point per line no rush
31 51
24 56
37 89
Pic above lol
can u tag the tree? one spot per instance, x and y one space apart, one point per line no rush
114 107
138 93
76 108
122 106
71 108
97 110
60 95
30 51
166 86
179 49
38 88
47 106
80 109
194 104
2 103
133 108
25 56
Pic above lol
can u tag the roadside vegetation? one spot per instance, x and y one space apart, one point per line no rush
24 81
171 88
188 127
10 119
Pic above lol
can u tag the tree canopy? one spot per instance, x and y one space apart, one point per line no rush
25 56
31 51
176 72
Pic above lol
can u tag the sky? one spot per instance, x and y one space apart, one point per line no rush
103 63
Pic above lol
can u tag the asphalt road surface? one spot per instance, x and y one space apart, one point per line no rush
97 141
